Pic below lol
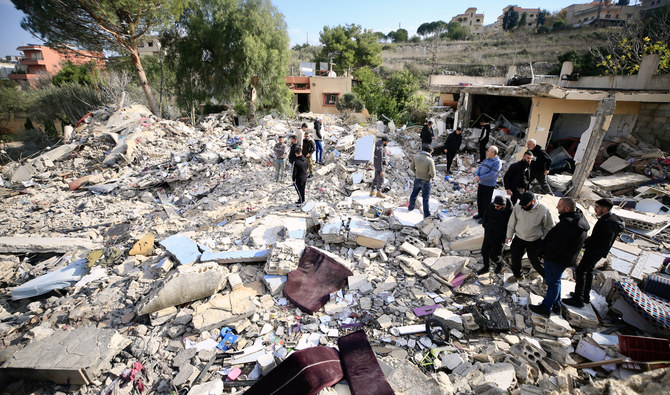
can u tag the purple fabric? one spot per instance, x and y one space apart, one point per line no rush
306 372
363 373
317 276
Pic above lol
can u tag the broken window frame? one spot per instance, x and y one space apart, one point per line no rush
327 103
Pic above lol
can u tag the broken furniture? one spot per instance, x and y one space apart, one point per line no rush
647 353
361 369
317 276
647 309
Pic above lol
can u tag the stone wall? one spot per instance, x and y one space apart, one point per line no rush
653 124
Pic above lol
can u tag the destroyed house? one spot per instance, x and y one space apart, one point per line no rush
560 109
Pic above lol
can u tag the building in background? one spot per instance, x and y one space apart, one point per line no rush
40 60
470 19
531 16
601 13
148 45
318 94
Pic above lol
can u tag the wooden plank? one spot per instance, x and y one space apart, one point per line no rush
596 364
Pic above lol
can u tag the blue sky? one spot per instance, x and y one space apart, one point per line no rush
305 18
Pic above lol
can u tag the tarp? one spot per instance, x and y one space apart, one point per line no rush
61 278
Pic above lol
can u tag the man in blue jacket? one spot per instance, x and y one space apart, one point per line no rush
487 176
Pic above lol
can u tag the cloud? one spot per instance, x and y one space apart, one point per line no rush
7 3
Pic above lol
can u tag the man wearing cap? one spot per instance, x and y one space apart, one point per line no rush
427 135
487 176
318 137
596 246
561 248
517 177
539 167
451 147
495 228
529 224
423 167
379 163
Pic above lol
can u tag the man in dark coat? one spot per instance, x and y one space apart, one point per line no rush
495 230
483 138
540 166
518 176
308 148
299 175
597 246
291 151
379 162
451 147
427 135
561 248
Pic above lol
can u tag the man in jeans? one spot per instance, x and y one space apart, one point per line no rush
487 176
318 137
561 248
529 224
423 167
379 162
280 158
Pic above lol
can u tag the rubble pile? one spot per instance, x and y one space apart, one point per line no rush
145 255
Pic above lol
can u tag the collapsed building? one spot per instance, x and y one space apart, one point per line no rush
145 255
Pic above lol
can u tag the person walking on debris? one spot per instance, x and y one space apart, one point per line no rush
300 134
423 168
529 224
495 229
483 139
561 248
517 177
318 137
299 176
486 176
427 134
291 152
379 163
451 147
596 246
280 158
308 148
539 167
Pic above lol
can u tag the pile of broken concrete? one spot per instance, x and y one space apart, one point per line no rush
145 255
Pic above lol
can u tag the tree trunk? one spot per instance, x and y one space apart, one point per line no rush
142 77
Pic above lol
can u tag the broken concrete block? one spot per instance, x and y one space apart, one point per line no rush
446 267
582 317
452 320
363 233
68 357
266 362
452 360
184 376
500 374
23 173
325 169
403 217
284 256
214 387
32 244
183 249
410 249
144 246
239 256
274 284
59 153
407 378
187 284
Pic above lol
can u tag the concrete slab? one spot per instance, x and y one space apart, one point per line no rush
619 181
62 277
236 256
365 147
366 235
59 153
68 357
405 217
23 173
446 267
32 244
183 249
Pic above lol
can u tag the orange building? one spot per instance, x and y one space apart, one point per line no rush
40 60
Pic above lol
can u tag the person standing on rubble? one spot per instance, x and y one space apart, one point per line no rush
495 229
451 147
596 246
427 134
483 139
529 224
423 167
291 152
300 134
318 140
539 167
308 148
379 163
517 177
561 247
280 159
299 175
487 176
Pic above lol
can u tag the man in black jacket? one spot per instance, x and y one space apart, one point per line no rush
308 148
596 246
291 151
518 176
495 230
561 248
299 175
483 139
427 135
451 147
539 167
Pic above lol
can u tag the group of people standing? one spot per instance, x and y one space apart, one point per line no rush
301 156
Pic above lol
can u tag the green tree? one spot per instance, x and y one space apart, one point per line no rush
220 46
85 74
510 19
399 36
522 21
349 46
457 32
349 103
542 17
95 25
585 62
435 29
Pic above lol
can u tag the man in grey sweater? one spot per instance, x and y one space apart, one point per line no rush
280 158
529 224
423 167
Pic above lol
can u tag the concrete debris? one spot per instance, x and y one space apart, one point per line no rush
226 297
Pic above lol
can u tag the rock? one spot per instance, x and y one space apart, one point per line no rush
144 246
